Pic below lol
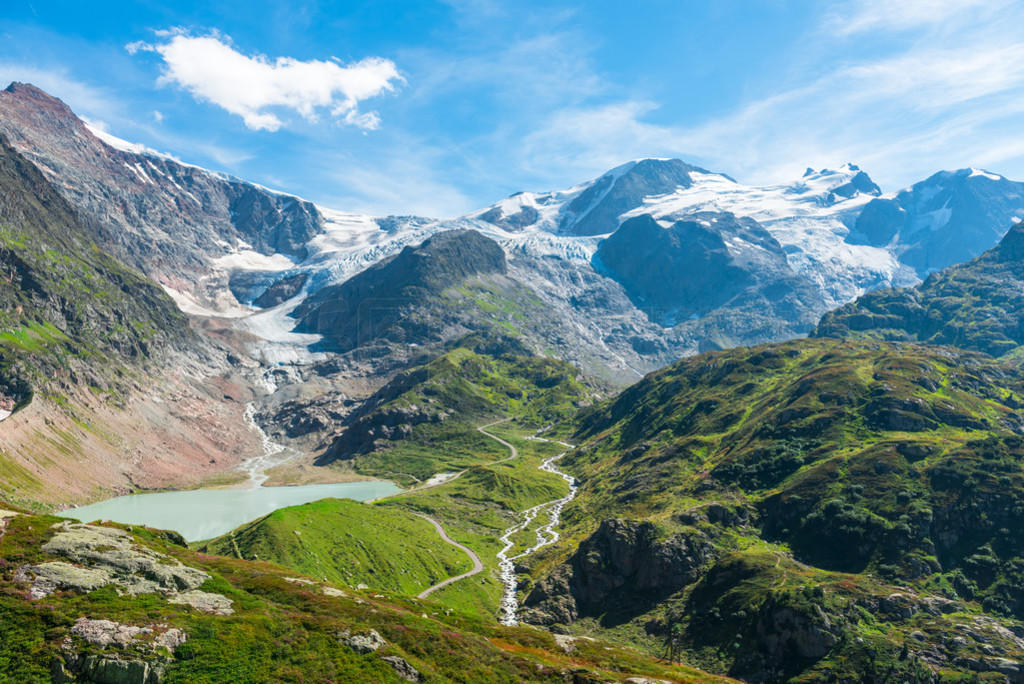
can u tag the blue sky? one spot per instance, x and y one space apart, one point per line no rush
438 108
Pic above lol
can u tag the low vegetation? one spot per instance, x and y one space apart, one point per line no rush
284 627
824 506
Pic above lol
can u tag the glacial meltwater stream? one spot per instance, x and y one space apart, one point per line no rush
546 534
204 513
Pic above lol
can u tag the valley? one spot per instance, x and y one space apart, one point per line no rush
657 426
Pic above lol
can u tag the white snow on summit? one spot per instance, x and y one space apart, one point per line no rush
808 219
985 174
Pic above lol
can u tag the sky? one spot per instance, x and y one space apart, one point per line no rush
440 108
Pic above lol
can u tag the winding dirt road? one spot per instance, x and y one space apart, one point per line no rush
477 564
428 485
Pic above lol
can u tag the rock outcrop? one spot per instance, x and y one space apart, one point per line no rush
97 556
622 569
128 654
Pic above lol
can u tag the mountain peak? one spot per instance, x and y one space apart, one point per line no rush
26 92
26 107
1011 247
845 182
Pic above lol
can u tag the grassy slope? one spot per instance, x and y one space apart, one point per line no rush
284 631
385 546
348 543
480 505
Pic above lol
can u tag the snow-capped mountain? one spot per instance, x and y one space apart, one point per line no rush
949 218
811 217
788 252
595 207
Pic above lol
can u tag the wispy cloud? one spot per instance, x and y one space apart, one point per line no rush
860 16
409 183
941 98
212 70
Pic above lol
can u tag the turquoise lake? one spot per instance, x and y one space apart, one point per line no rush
204 513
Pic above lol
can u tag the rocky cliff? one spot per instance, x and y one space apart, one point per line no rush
703 263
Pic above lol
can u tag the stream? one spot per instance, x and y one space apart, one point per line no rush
546 535
273 455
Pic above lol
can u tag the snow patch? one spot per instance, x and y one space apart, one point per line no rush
125 146
984 174
251 260
188 304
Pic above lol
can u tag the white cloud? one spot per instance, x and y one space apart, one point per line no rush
860 16
212 70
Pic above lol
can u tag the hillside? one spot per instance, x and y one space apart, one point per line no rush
977 305
388 300
800 509
105 603
88 401
424 420
69 309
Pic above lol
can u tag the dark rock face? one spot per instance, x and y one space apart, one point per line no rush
622 568
281 291
165 218
372 431
977 305
597 210
521 219
701 263
374 304
860 183
940 221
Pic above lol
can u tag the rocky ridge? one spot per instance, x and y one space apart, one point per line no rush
168 219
